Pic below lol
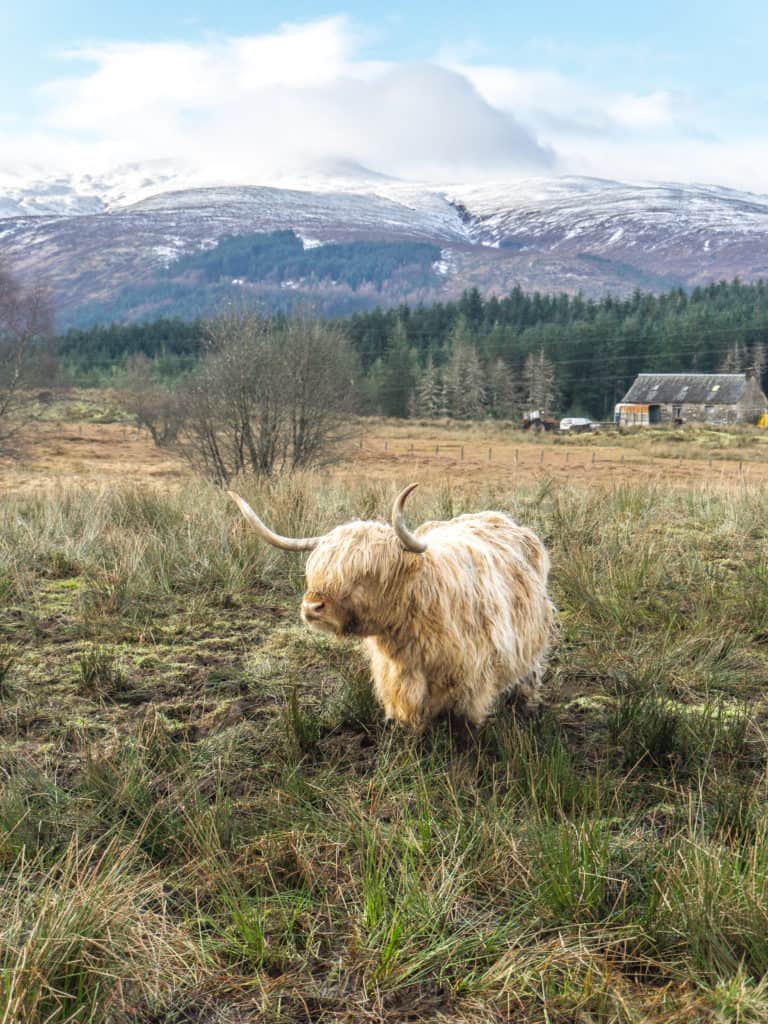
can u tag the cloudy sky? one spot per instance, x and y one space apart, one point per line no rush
428 90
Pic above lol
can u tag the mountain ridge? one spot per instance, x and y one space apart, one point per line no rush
92 237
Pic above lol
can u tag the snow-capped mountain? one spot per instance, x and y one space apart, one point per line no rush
91 235
33 191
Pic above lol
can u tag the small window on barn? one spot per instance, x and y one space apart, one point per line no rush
709 412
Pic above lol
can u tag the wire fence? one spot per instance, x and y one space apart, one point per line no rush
474 456
560 459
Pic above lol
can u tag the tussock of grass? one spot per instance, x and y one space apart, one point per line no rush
203 815
8 658
101 676
88 938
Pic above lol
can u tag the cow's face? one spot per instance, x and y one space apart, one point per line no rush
349 578
355 573
329 615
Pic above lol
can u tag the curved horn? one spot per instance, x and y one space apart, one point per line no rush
409 541
288 543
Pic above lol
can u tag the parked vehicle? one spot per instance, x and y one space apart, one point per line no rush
577 425
533 420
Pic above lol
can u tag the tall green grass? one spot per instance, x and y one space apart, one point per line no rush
204 817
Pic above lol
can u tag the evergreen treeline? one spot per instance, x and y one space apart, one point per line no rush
144 304
496 357
283 276
281 256
174 346
564 353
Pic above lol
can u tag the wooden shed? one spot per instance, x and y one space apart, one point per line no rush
719 398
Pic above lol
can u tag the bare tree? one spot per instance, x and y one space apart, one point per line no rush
320 388
26 319
153 406
268 397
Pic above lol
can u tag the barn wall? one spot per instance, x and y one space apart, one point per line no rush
753 403
695 412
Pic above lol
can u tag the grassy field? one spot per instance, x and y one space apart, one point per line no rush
85 437
203 818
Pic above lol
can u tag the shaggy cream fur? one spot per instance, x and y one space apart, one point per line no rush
448 630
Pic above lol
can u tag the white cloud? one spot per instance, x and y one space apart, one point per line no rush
256 105
262 108
654 110
657 135
548 98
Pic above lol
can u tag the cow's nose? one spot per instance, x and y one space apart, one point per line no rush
314 607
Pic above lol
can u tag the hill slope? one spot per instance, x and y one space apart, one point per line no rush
93 239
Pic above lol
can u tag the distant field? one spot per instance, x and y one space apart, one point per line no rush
204 820
86 438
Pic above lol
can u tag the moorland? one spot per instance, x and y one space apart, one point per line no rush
203 817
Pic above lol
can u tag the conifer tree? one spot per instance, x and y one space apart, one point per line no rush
504 398
395 375
496 344
759 360
473 405
540 386
445 400
464 377
735 359
427 397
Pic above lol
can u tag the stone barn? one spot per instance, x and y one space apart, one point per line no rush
719 398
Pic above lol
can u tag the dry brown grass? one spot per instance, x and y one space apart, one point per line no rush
74 442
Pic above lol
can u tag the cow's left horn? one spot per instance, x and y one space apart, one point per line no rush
288 543
409 541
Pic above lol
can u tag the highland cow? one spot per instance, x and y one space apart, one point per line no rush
452 616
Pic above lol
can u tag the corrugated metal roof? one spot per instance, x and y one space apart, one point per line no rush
704 388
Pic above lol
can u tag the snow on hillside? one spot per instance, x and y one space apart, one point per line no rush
34 191
562 209
552 211
91 235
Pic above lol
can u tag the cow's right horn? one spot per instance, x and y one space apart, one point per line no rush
287 543
409 540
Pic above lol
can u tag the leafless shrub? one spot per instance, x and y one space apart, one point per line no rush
269 396
155 407
26 319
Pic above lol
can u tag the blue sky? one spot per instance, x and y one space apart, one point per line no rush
662 90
